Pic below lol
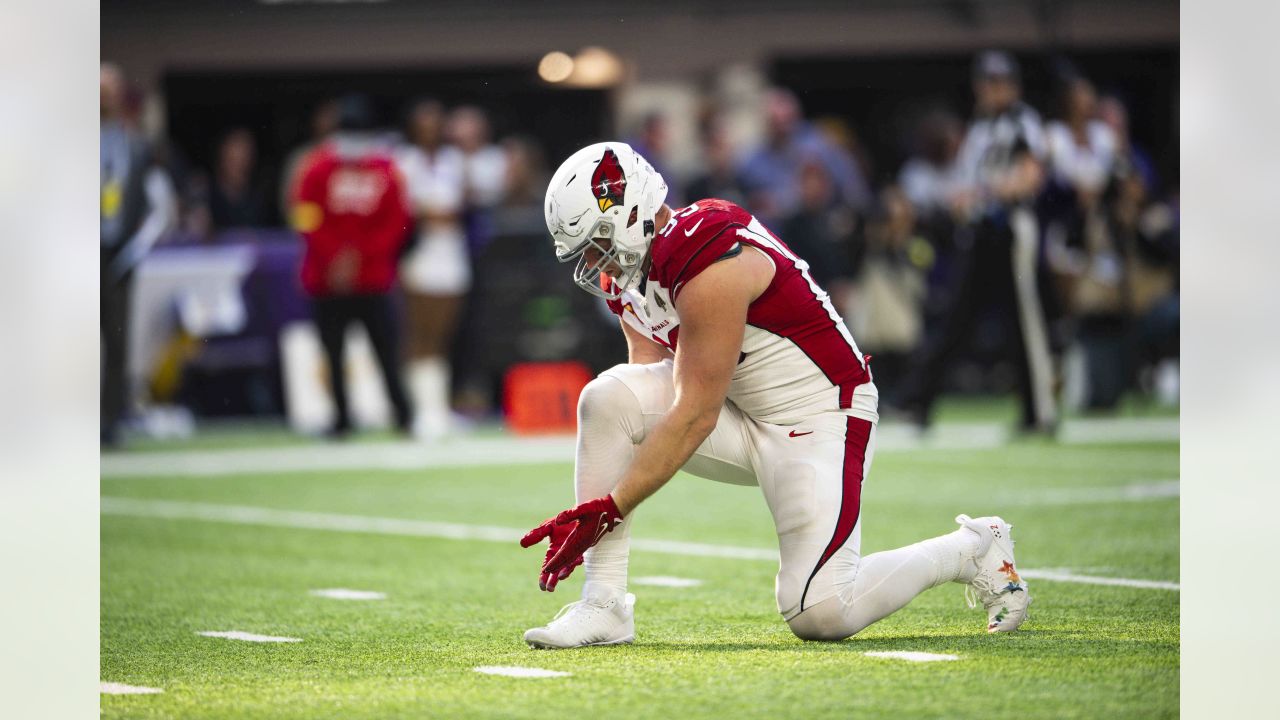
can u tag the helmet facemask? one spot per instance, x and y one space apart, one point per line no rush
623 264
600 211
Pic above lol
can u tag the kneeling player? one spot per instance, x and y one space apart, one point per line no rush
740 371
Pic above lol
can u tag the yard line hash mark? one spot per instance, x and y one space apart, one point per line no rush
911 655
247 637
111 688
348 594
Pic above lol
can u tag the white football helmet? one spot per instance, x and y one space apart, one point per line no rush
607 192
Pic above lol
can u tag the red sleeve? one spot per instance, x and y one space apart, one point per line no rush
722 245
694 244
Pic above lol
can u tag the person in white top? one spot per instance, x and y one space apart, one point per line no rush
1082 148
436 273
485 163
930 179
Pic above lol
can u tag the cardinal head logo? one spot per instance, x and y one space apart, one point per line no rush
608 183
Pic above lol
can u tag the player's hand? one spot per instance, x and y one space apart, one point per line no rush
557 534
572 533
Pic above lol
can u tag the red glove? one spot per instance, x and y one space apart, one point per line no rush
557 533
572 533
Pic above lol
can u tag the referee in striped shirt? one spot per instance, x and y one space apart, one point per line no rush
1001 171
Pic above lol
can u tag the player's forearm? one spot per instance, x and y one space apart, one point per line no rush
666 449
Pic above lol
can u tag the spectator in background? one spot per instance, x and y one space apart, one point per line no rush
324 122
485 163
887 315
1001 172
817 230
930 178
136 209
653 143
237 196
526 179
1120 275
350 208
720 179
524 189
770 173
1081 148
437 271
1112 111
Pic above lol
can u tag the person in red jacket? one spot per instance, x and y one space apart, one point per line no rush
350 208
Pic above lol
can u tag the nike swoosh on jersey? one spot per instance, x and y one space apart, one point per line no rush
793 433
695 227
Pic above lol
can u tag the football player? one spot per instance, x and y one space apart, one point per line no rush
740 371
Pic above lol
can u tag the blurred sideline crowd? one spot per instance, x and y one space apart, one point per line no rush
1009 253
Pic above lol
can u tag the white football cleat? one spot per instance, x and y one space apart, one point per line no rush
601 617
997 584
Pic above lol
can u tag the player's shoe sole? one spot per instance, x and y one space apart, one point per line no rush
598 619
536 645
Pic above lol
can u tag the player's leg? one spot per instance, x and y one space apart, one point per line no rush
433 318
1030 335
332 316
979 554
379 318
615 412
928 367
826 590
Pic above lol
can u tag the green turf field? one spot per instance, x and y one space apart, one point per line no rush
718 649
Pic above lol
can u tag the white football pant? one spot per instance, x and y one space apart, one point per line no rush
811 475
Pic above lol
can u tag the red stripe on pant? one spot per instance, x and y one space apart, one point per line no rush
857 435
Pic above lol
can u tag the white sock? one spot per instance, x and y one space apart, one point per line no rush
429 385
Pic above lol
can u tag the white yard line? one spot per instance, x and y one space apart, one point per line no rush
1135 492
247 636
910 655
354 456
348 594
520 672
1118 430
110 688
665 581
270 517
1065 575
479 452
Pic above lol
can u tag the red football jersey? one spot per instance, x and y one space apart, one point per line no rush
353 201
798 357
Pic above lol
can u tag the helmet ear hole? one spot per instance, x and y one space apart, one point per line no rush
635 213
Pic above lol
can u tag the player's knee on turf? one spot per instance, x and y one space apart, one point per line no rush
825 621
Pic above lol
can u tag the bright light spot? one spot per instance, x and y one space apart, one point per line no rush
555 67
596 67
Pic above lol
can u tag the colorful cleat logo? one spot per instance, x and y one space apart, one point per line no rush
1012 587
1007 569
999 618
